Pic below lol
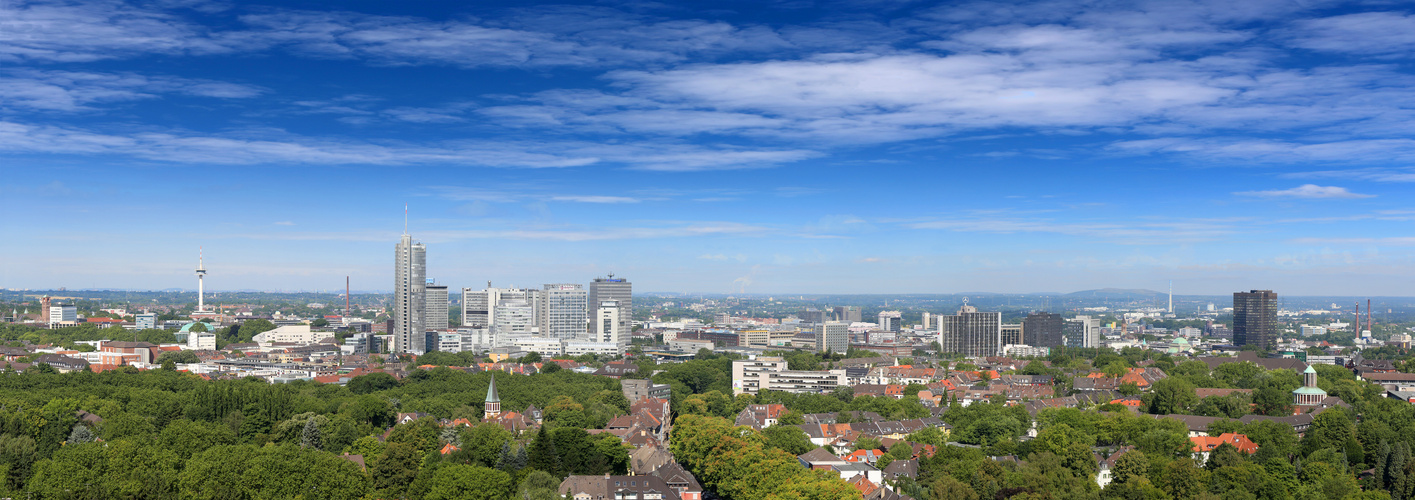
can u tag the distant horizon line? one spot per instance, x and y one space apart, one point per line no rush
724 294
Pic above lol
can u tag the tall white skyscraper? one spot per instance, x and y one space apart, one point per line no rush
409 296
563 311
607 325
618 290
436 307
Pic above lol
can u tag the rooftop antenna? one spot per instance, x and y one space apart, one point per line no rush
405 218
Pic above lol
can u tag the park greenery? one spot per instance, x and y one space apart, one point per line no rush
169 434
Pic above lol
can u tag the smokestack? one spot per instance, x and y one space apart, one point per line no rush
1368 314
346 296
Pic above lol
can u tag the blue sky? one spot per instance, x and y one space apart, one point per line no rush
772 147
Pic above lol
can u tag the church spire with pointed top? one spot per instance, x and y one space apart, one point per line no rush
492 406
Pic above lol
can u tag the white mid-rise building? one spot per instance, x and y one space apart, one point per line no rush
201 341
607 326
770 373
689 345
63 313
890 320
833 336
145 321
542 345
449 342
596 348
477 339
291 334
514 316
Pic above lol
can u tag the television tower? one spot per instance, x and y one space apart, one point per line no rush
201 275
1171 296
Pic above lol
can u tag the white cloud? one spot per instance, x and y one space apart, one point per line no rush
1136 232
285 223
1274 151
595 199
1384 242
78 91
291 149
1375 174
567 234
1380 34
59 31
1309 191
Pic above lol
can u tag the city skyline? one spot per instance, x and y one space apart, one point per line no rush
757 148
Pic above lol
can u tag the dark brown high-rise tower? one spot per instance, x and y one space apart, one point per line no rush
1255 318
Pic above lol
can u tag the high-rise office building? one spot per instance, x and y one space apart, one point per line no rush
479 307
813 315
1043 329
890 320
925 320
563 311
514 316
409 296
971 333
1012 335
613 289
1081 331
833 336
608 327
848 314
1255 318
436 303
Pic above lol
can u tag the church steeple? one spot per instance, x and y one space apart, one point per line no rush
492 406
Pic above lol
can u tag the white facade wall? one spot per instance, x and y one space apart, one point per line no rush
563 312
544 346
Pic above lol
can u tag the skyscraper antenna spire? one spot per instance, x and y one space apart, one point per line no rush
405 218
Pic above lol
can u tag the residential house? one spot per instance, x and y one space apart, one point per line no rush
819 459
680 480
648 459
1205 445
1104 476
760 416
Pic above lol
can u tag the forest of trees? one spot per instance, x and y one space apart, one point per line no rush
168 434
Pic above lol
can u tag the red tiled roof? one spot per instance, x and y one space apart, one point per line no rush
1208 443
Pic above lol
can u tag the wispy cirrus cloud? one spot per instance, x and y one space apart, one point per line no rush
1136 232
284 148
1397 241
64 31
596 199
532 233
1308 191
1376 174
1377 34
41 90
